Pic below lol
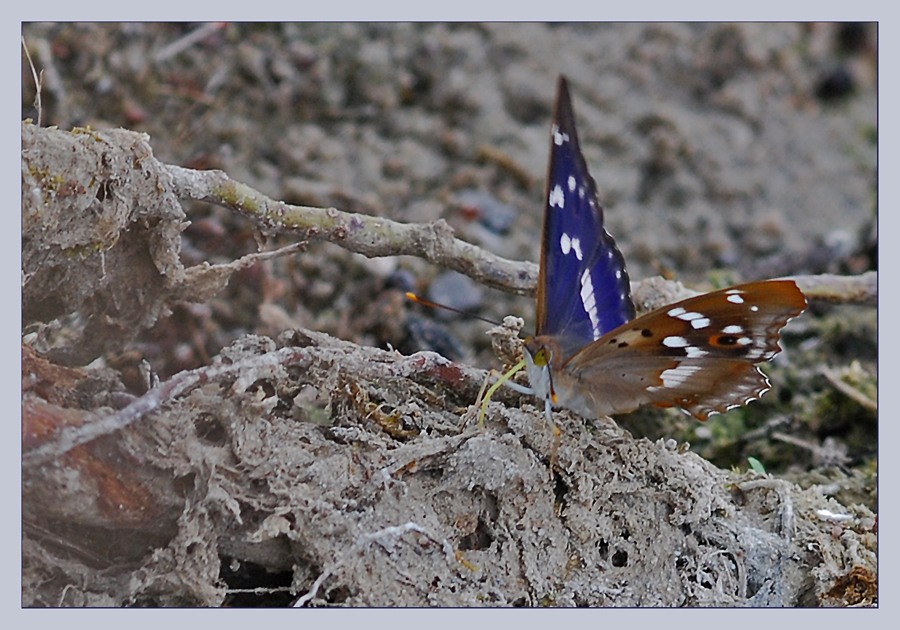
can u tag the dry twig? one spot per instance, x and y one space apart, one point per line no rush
848 390
363 234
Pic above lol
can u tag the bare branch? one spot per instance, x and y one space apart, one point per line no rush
826 287
363 234
180 45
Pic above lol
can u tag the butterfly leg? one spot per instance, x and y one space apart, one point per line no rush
557 434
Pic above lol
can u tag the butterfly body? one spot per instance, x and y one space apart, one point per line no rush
589 354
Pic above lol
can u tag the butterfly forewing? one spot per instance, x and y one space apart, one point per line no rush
583 289
699 354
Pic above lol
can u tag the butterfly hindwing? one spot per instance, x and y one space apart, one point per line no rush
699 354
583 288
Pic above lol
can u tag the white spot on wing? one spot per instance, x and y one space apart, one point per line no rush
702 322
558 138
675 342
571 183
673 377
557 198
733 330
576 245
568 244
589 302
734 298
692 352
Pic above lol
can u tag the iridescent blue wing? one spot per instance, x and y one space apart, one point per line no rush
583 289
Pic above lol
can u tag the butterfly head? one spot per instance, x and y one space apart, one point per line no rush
542 357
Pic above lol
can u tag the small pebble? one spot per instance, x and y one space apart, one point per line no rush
835 85
428 335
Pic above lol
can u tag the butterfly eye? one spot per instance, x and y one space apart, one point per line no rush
542 357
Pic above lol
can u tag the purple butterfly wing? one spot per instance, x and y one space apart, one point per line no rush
583 289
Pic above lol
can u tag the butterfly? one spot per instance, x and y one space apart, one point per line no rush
590 355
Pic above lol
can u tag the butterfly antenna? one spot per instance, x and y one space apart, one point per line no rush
416 298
